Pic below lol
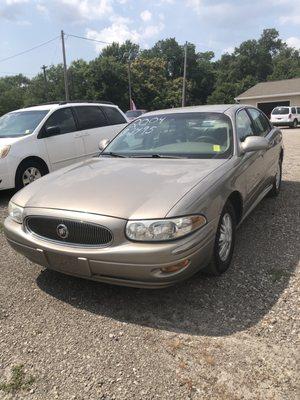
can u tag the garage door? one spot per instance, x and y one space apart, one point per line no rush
268 107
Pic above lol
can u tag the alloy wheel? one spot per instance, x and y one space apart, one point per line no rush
225 239
31 174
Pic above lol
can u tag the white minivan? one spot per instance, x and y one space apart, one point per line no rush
40 139
286 116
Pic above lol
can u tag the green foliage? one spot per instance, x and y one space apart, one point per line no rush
18 381
157 75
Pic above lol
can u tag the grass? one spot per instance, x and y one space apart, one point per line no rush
17 381
277 274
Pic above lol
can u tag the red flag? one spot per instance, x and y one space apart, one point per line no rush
132 105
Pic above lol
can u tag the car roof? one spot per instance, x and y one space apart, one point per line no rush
220 108
51 106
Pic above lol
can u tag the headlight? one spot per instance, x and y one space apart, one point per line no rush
4 150
163 229
15 212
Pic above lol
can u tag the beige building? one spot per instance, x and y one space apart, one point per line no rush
268 95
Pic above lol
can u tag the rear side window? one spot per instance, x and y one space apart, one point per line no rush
260 122
90 117
243 125
114 116
63 119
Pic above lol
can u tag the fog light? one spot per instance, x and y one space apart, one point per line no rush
175 267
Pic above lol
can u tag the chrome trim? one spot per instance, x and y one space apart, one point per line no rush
45 239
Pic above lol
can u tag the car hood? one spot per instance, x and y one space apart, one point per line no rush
8 140
124 188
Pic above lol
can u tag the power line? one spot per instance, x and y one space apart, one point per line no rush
85 38
27 51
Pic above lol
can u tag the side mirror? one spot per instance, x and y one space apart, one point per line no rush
103 143
53 130
254 143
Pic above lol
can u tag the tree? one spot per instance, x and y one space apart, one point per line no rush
12 92
121 52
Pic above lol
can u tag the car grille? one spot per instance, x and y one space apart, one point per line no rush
69 231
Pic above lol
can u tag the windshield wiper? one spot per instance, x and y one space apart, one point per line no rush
155 156
112 154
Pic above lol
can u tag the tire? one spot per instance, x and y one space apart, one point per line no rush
277 180
294 124
221 262
29 171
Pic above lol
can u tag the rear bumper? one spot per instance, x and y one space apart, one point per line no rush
282 123
127 264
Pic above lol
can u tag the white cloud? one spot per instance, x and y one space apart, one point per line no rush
116 32
290 19
146 15
293 42
77 10
204 9
228 50
12 2
119 31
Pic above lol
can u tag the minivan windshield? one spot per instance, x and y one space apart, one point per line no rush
20 123
280 111
187 135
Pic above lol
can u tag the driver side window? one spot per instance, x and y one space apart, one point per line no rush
243 125
62 118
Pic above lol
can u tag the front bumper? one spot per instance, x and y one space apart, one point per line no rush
124 262
6 175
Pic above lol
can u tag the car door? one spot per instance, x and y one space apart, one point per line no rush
116 121
251 163
63 144
262 127
92 123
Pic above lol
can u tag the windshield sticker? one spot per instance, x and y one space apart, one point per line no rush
216 147
27 131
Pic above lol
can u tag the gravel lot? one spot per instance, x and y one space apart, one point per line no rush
233 337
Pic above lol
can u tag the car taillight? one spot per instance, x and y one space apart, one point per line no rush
290 115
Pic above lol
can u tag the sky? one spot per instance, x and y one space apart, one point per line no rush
217 25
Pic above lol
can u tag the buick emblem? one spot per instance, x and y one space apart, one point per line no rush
62 231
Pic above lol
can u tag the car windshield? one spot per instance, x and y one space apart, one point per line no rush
134 114
20 123
280 111
188 135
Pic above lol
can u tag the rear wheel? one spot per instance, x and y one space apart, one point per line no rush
28 172
294 124
224 242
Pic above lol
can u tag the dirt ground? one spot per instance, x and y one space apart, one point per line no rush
232 337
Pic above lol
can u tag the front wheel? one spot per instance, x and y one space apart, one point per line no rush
28 172
277 180
224 242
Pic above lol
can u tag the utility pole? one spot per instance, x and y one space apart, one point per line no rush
184 76
129 80
45 81
65 66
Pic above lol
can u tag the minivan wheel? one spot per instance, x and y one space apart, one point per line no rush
295 124
28 172
224 242
277 180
